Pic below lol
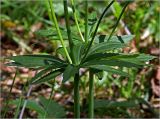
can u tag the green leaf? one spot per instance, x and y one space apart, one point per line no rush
53 35
105 46
112 62
31 104
115 59
119 39
46 32
109 69
47 77
69 72
138 59
145 57
53 109
100 56
110 56
34 61
42 73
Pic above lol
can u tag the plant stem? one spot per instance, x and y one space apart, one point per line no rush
58 30
91 94
68 28
76 96
86 21
76 21
7 102
96 29
115 26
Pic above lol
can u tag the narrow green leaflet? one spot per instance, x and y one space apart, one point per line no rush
100 56
34 61
53 35
42 73
105 46
138 59
119 39
54 110
110 56
109 69
47 77
115 59
69 72
113 62
46 32
145 57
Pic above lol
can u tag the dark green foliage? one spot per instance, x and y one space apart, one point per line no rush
45 107
53 109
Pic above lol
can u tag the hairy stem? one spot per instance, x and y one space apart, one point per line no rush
76 96
58 30
91 94
76 21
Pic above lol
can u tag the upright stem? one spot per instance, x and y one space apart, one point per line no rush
86 21
58 30
76 96
91 94
68 28
76 21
